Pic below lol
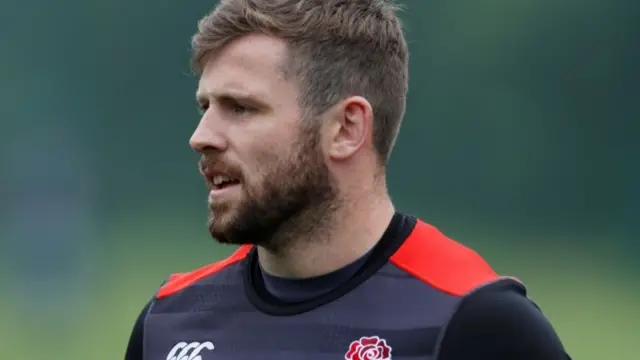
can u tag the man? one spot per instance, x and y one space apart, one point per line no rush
301 103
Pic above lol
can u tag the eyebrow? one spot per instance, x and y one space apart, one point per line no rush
201 96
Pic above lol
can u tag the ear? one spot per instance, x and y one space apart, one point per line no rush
350 129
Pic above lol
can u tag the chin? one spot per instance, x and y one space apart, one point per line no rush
221 236
220 226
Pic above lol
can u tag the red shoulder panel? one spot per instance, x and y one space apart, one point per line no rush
178 282
175 276
445 264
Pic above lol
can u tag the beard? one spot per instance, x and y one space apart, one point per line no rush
295 197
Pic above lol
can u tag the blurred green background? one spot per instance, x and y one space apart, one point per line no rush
521 140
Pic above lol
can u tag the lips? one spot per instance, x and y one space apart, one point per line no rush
221 181
218 176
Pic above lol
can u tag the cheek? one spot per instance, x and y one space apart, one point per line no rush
257 167
268 156
263 155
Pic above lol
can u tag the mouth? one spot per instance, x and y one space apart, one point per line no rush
222 188
221 182
220 179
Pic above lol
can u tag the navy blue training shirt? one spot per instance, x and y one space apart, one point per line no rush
416 295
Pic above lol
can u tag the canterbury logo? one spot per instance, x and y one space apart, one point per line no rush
189 351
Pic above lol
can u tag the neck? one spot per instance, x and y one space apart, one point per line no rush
346 235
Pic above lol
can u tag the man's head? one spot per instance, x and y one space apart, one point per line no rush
299 98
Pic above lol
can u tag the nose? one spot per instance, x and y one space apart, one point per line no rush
207 137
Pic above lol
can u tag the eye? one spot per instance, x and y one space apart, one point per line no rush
239 109
203 107
236 108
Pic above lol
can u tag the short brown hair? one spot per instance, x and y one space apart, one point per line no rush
338 48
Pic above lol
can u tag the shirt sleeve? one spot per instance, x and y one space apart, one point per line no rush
500 324
134 347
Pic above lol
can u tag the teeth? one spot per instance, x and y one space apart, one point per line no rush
219 179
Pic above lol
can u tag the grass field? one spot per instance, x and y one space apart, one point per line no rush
592 305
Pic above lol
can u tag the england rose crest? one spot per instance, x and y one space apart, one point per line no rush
369 348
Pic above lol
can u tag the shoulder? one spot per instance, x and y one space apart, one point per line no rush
499 321
430 256
136 339
178 282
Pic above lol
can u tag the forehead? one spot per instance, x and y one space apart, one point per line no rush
252 64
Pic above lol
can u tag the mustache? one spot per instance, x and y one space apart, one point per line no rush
209 166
